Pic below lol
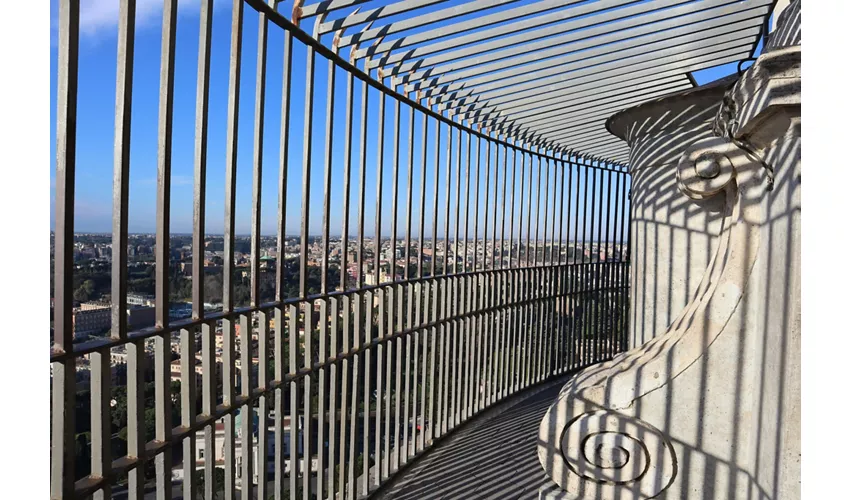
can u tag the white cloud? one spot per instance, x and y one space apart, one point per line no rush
101 16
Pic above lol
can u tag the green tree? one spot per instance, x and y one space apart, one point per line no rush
218 483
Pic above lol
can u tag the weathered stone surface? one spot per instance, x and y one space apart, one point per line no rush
706 405
672 237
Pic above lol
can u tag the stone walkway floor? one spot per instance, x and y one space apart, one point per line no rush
494 456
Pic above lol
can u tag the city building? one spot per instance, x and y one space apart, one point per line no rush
91 318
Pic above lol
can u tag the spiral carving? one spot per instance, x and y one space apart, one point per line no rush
707 167
612 449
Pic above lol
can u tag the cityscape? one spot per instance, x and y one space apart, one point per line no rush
92 311
93 257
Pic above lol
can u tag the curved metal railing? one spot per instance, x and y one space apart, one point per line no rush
495 266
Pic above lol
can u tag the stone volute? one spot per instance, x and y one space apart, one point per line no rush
706 404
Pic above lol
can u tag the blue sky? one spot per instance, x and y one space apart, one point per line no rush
96 101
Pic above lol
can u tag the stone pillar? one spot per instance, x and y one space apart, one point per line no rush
672 237
710 407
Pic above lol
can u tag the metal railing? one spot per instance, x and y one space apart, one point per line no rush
511 267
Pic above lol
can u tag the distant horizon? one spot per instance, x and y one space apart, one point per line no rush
398 237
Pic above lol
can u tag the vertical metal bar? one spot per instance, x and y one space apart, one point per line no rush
380 294
397 296
394 225
163 212
307 432
246 411
494 287
548 245
101 423
432 425
447 292
626 220
379 185
306 167
587 250
613 284
364 122
595 270
457 350
350 490
441 428
101 454
346 180
136 418
557 270
321 391
519 275
121 154
529 283
591 275
476 281
63 429
512 280
485 320
283 179
188 400
575 338
424 288
385 315
434 222
570 270
467 289
555 260
295 427
528 250
280 315
423 176
328 160
364 115
208 400
561 355
554 334
540 176
343 285
367 297
326 208
397 394
546 272
261 465
335 483
583 274
198 223
404 451
228 357
502 282
537 326
379 385
598 273
421 292
332 393
547 330
526 282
